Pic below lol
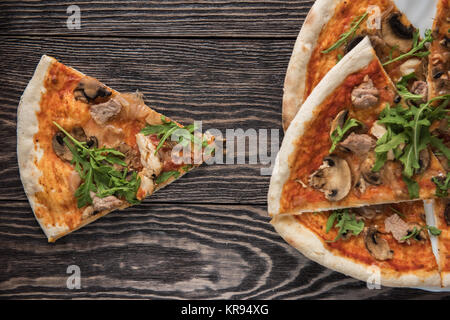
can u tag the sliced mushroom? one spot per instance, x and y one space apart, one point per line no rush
366 170
60 148
377 246
339 121
424 160
333 178
395 33
422 235
78 133
92 142
370 212
89 89
353 43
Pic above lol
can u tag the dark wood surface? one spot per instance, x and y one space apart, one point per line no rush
206 236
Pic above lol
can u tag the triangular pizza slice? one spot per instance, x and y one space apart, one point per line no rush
333 27
439 71
352 144
387 245
441 210
85 149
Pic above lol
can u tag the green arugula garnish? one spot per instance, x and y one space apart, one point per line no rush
414 233
402 88
167 128
407 135
397 212
95 168
164 176
416 50
348 34
442 185
346 222
339 133
413 187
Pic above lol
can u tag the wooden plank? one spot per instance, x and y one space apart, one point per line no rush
228 84
184 18
164 251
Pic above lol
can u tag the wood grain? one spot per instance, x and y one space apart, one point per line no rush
181 18
205 236
227 84
167 251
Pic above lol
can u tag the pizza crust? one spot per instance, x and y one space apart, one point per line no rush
357 59
29 152
312 247
294 83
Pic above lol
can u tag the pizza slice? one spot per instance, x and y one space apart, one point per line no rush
439 73
441 210
85 149
333 27
439 58
383 245
352 145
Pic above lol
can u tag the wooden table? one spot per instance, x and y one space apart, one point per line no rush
207 235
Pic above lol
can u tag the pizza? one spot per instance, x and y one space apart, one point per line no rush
441 213
351 144
387 245
333 27
439 58
85 150
365 91
439 70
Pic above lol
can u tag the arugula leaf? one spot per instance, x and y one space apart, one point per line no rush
413 234
338 133
397 212
416 231
164 131
164 176
83 192
95 167
413 187
346 222
416 48
348 34
402 88
408 133
434 231
442 185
